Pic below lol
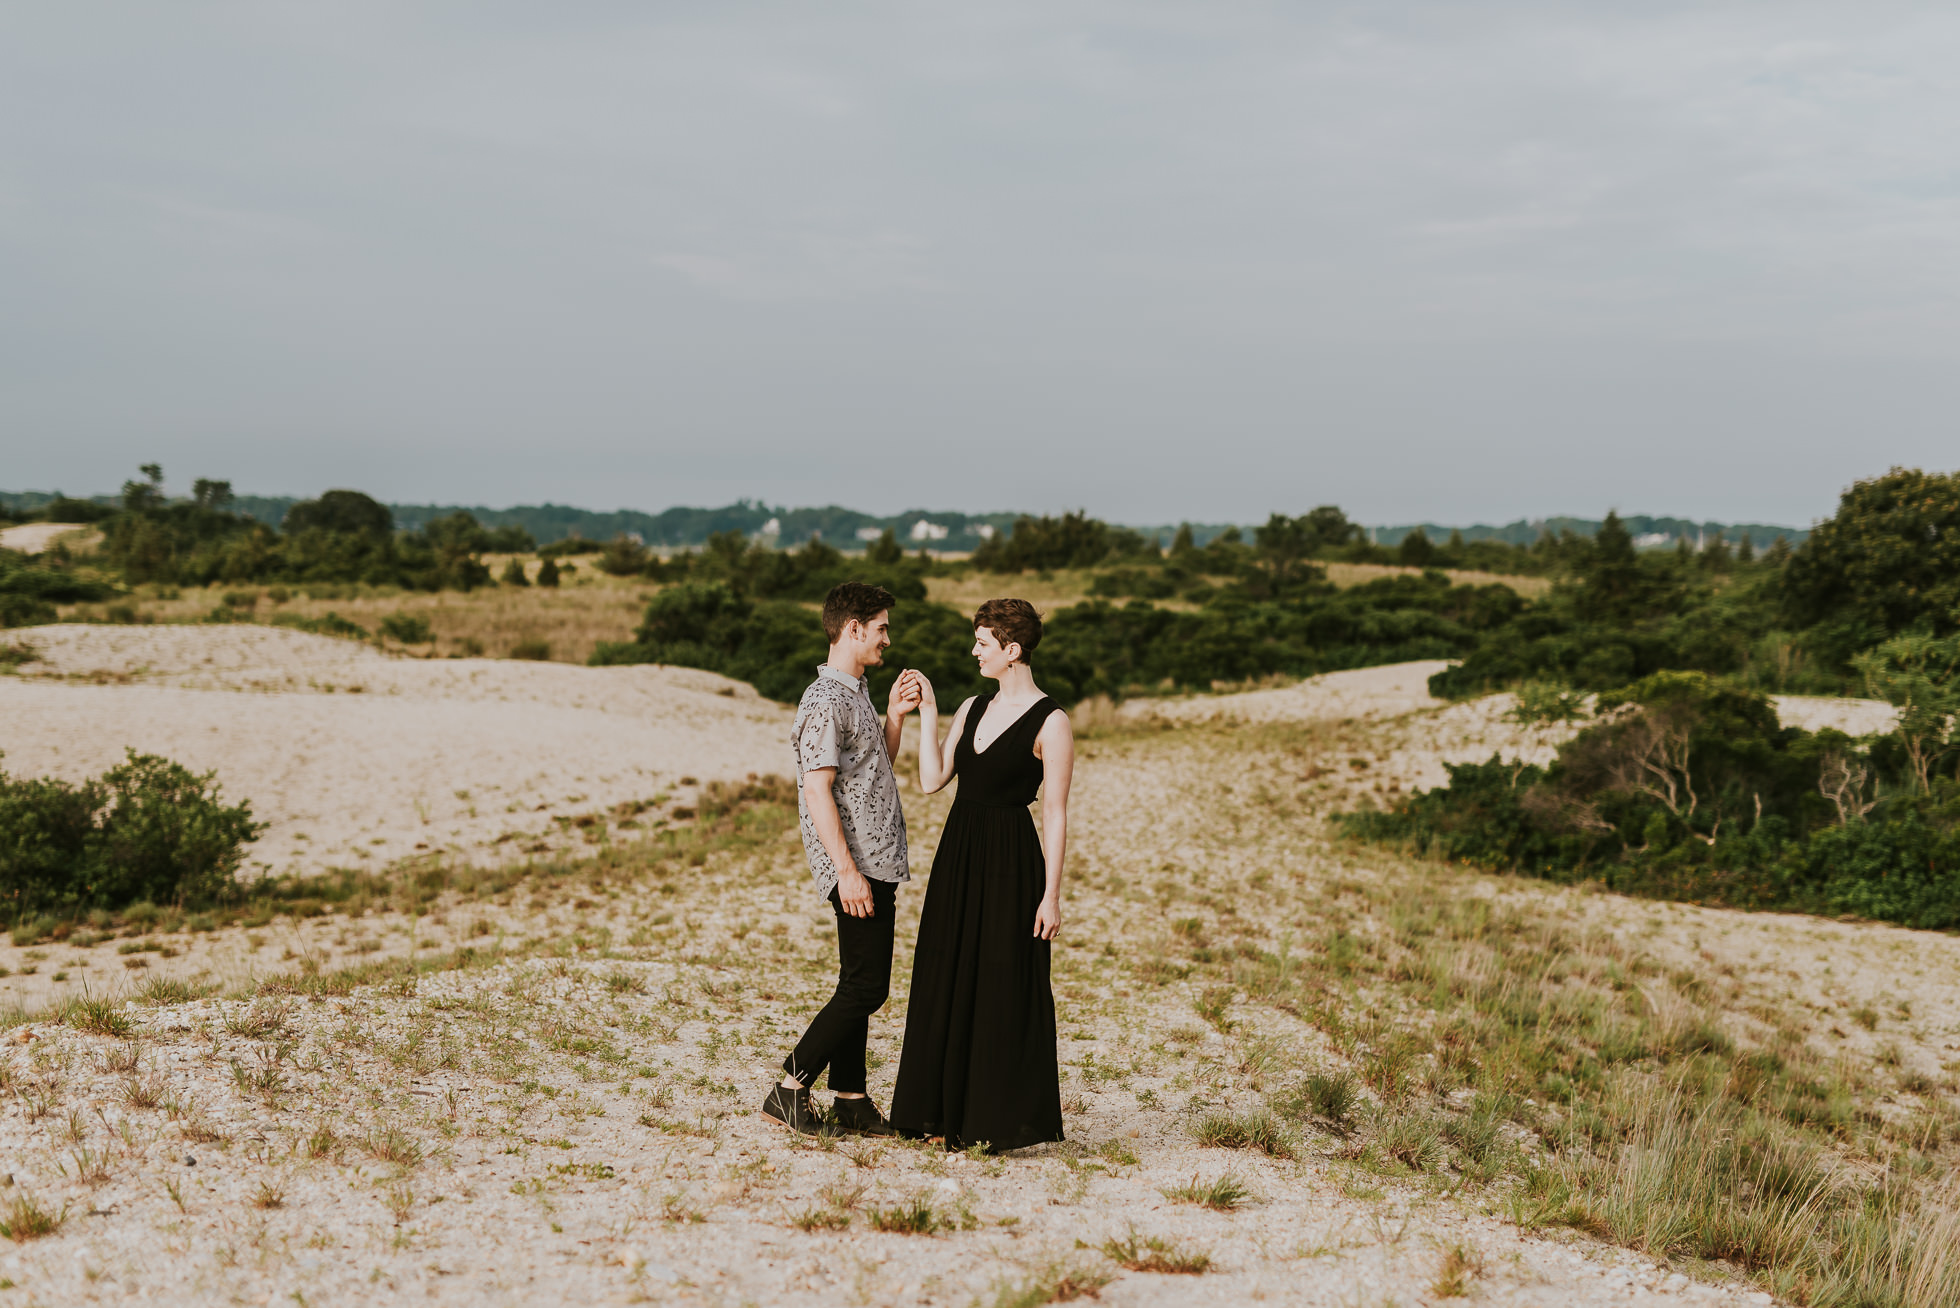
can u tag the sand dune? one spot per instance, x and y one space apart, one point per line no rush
356 757
34 537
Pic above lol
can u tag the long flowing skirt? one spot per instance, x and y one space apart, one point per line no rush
978 1064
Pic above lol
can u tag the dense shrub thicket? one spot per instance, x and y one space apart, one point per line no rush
1090 649
146 830
1686 787
1614 615
29 593
1074 540
776 645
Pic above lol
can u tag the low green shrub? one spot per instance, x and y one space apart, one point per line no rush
332 624
407 628
146 830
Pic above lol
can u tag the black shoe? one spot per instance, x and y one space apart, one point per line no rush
859 1117
793 1109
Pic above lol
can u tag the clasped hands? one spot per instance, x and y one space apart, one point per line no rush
909 692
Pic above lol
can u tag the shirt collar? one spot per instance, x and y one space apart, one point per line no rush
861 684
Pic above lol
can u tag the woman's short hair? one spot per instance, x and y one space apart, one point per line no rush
1013 622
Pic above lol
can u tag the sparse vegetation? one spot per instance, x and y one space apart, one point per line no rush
1223 1193
1153 1253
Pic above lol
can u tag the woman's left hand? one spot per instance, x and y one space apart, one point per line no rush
1048 919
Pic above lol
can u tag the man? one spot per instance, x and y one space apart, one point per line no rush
854 834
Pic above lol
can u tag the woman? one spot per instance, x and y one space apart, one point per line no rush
979 1063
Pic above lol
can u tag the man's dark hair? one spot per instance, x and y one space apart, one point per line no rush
852 601
1013 621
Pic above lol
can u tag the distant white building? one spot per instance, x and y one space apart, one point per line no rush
923 530
870 533
984 530
1651 539
773 527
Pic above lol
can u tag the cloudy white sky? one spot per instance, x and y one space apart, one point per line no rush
1457 261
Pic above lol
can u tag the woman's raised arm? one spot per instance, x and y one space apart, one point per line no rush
936 756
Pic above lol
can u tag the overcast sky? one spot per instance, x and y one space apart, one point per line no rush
1455 261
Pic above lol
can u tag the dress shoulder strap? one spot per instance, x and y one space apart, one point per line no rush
1037 717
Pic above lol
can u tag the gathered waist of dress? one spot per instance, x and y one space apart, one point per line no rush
1012 804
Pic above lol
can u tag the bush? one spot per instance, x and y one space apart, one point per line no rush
776 646
332 624
1074 540
624 557
514 574
407 628
25 611
28 594
537 651
148 829
1688 788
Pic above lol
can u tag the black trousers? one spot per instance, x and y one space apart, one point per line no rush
837 1033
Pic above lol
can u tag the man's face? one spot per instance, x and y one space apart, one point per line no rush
872 638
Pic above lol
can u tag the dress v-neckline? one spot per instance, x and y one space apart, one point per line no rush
977 750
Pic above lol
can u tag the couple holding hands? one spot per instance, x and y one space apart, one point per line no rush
978 1066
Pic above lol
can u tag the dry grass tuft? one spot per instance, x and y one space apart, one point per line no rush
26 1219
1058 1283
1461 1266
1153 1253
1223 1194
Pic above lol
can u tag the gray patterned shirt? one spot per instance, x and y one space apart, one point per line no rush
837 727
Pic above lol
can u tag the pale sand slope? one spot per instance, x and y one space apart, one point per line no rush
450 754
1440 731
34 537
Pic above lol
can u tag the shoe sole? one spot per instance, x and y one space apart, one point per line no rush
800 1130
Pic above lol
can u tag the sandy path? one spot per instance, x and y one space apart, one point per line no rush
356 758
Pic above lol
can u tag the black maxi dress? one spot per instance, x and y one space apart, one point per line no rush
979 1065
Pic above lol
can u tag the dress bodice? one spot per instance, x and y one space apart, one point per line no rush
1005 774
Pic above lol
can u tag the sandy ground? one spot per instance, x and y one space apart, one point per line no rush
357 758
34 537
546 1172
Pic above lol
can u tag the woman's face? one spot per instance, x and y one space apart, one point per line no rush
994 658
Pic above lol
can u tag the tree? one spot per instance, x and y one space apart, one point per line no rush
548 573
347 511
1544 709
1889 560
146 495
624 557
1915 674
1416 550
1330 527
1285 544
215 496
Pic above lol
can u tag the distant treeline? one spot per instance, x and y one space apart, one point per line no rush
1241 605
675 528
690 528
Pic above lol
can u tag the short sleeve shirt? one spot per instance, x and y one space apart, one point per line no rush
837 727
